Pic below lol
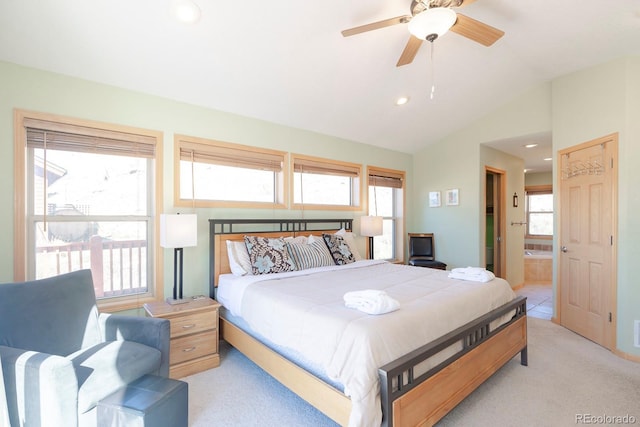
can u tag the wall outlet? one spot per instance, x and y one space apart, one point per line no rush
636 333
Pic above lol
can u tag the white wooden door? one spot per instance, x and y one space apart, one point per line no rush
587 239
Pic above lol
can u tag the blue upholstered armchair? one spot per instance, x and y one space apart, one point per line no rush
60 356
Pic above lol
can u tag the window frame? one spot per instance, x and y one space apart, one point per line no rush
336 166
155 289
536 190
281 181
391 176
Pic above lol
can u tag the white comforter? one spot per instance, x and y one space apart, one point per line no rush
305 311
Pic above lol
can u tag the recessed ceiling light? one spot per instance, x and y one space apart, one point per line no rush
530 145
547 159
185 11
402 100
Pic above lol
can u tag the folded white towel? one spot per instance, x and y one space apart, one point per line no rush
371 301
476 274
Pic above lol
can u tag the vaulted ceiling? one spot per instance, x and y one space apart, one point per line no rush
287 62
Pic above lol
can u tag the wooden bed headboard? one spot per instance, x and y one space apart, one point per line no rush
221 230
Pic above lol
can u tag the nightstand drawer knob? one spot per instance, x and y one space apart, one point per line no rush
193 325
188 350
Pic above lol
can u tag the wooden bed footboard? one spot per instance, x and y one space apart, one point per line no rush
419 401
409 400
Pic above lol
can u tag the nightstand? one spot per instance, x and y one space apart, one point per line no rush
194 334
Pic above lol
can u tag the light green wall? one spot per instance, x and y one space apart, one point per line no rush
458 161
539 178
590 104
30 89
576 108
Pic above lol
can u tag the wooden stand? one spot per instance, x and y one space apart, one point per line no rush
194 334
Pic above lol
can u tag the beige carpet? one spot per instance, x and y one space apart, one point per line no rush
569 379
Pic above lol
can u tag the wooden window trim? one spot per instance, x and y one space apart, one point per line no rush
321 165
537 189
229 154
393 178
22 117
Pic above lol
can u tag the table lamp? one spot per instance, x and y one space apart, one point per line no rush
178 231
371 226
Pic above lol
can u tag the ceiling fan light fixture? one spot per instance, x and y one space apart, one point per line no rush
432 23
186 11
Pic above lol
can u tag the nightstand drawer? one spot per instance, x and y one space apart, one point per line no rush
193 346
193 323
194 334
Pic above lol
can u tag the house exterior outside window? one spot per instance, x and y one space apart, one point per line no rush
91 194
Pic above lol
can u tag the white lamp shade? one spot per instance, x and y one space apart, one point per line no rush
178 230
371 226
436 20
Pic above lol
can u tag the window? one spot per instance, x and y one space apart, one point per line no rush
325 184
386 199
214 173
89 202
539 207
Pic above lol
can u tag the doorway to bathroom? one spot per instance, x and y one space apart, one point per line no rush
494 220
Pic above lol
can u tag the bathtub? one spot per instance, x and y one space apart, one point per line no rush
537 254
538 267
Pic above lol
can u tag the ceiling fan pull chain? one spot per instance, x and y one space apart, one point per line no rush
433 74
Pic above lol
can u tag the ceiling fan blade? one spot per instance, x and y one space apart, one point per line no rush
376 25
476 30
409 52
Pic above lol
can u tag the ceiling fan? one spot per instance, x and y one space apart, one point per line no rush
430 19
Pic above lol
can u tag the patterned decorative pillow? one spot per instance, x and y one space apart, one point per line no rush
268 255
339 249
311 255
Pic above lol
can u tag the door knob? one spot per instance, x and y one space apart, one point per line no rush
563 248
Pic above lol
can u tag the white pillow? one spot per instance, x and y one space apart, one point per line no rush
238 258
348 237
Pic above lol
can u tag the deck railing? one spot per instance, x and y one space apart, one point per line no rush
118 267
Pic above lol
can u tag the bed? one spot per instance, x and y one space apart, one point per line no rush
416 383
